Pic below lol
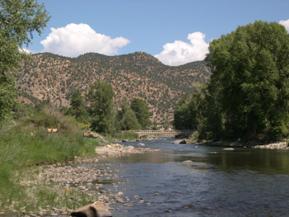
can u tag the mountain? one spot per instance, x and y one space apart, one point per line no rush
49 77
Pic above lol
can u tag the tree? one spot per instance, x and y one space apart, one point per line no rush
188 112
18 20
182 115
100 98
127 118
142 112
77 107
249 87
166 123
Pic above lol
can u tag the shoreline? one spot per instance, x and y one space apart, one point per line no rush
281 145
278 145
84 179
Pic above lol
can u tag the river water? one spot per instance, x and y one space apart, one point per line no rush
217 183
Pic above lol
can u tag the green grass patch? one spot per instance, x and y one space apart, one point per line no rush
25 143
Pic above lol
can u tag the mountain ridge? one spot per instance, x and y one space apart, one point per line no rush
51 77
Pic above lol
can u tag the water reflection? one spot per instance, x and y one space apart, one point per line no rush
214 182
267 161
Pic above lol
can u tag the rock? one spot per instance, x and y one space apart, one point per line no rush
102 209
183 142
120 194
180 141
96 209
187 162
119 197
87 211
141 144
228 149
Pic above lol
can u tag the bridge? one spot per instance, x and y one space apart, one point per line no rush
155 133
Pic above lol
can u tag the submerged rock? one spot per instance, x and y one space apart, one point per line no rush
187 162
141 144
228 149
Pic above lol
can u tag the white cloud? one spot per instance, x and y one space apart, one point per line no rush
285 23
75 39
180 52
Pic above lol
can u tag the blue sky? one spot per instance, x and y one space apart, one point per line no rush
148 25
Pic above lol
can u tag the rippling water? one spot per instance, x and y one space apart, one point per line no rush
218 182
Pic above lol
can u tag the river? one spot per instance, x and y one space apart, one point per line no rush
216 182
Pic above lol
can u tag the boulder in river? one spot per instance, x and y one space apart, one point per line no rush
187 162
180 141
228 149
183 142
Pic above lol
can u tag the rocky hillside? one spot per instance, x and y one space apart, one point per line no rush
48 77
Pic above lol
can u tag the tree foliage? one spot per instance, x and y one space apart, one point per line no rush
142 112
182 115
18 20
187 112
127 118
248 95
77 106
101 110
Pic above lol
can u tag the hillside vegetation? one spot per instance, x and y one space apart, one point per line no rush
52 78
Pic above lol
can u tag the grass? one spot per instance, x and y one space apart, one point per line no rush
46 197
25 143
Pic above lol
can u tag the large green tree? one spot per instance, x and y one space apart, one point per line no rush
18 20
141 111
100 99
248 93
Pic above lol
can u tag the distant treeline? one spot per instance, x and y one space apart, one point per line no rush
97 109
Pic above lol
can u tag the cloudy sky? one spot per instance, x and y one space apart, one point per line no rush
174 31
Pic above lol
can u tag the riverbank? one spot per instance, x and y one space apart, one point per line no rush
58 189
37 138
283 145
278 145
